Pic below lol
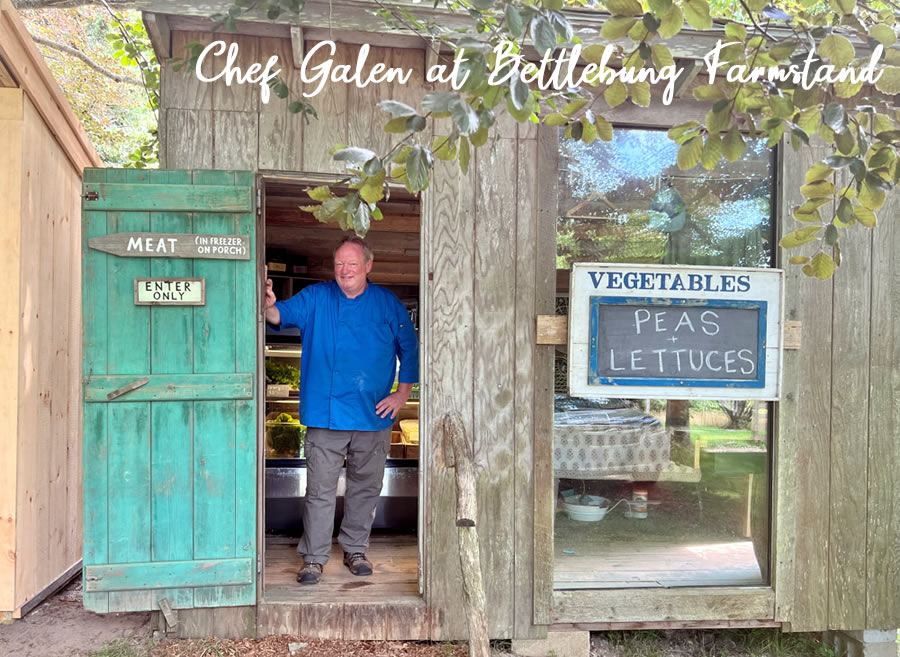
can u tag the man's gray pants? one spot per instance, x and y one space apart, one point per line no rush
366 452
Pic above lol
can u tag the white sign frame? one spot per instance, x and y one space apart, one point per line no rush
620 284
194 299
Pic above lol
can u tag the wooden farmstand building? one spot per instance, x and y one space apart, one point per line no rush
738 511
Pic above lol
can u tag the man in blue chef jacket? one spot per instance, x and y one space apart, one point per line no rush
352 333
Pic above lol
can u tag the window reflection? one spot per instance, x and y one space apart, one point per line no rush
659 492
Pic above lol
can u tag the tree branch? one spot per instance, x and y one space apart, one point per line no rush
87 60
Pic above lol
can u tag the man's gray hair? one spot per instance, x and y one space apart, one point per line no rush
360 242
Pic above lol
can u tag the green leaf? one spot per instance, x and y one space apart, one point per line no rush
604 128
671 23
781 106
479 137
418 169
464 155
689 154
883 34
624 7
844 215
373 189
712 152
847 88
865 216
439 101
555 120
679 133
822 267
319 193
818 188
838 161
697 14
831 234
717 121
837 49
396 108
571 108
843 6
818 171
808 120
640 94
616 93
616 28
518 92
799 237
889 82
464 116
588 131
733 145
812 216
661 56
736 32
514 21
708 92
542 34
660 7
443 148
869 196
834 117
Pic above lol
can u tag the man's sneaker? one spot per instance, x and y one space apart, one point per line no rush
357 563
311 573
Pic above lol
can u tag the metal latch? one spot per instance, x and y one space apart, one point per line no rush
91 196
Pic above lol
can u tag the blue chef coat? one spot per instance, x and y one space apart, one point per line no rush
350 351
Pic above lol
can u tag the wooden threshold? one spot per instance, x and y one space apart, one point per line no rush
385 606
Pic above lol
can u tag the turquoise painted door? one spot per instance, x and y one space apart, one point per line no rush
170 466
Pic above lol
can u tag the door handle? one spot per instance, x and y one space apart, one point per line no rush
134 385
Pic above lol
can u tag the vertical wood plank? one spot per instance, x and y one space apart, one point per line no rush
802 441
280 132
332 106
183 90
524 359
450 376
235 139
214 493
11 110
129 334
188 139
235 97
96 486
365 123
849 436
494 394
545 304
129 499
94 448
882 506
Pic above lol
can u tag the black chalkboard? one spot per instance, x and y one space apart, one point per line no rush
676 339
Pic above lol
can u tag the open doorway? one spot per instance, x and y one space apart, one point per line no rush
298 253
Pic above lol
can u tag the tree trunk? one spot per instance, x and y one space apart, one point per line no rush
456 443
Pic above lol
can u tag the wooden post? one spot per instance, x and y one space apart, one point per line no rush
457 445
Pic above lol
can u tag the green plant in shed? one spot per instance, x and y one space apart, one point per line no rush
283 373
285 435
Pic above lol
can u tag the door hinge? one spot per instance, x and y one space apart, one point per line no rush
258 565
91 196
258 201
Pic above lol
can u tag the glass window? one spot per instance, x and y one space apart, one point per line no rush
661 492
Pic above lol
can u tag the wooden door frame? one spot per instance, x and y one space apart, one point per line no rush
303 178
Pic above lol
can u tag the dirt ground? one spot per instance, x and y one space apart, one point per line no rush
61 627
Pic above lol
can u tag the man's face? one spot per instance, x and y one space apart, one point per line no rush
350 269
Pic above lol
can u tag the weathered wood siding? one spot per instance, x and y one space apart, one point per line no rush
837 458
